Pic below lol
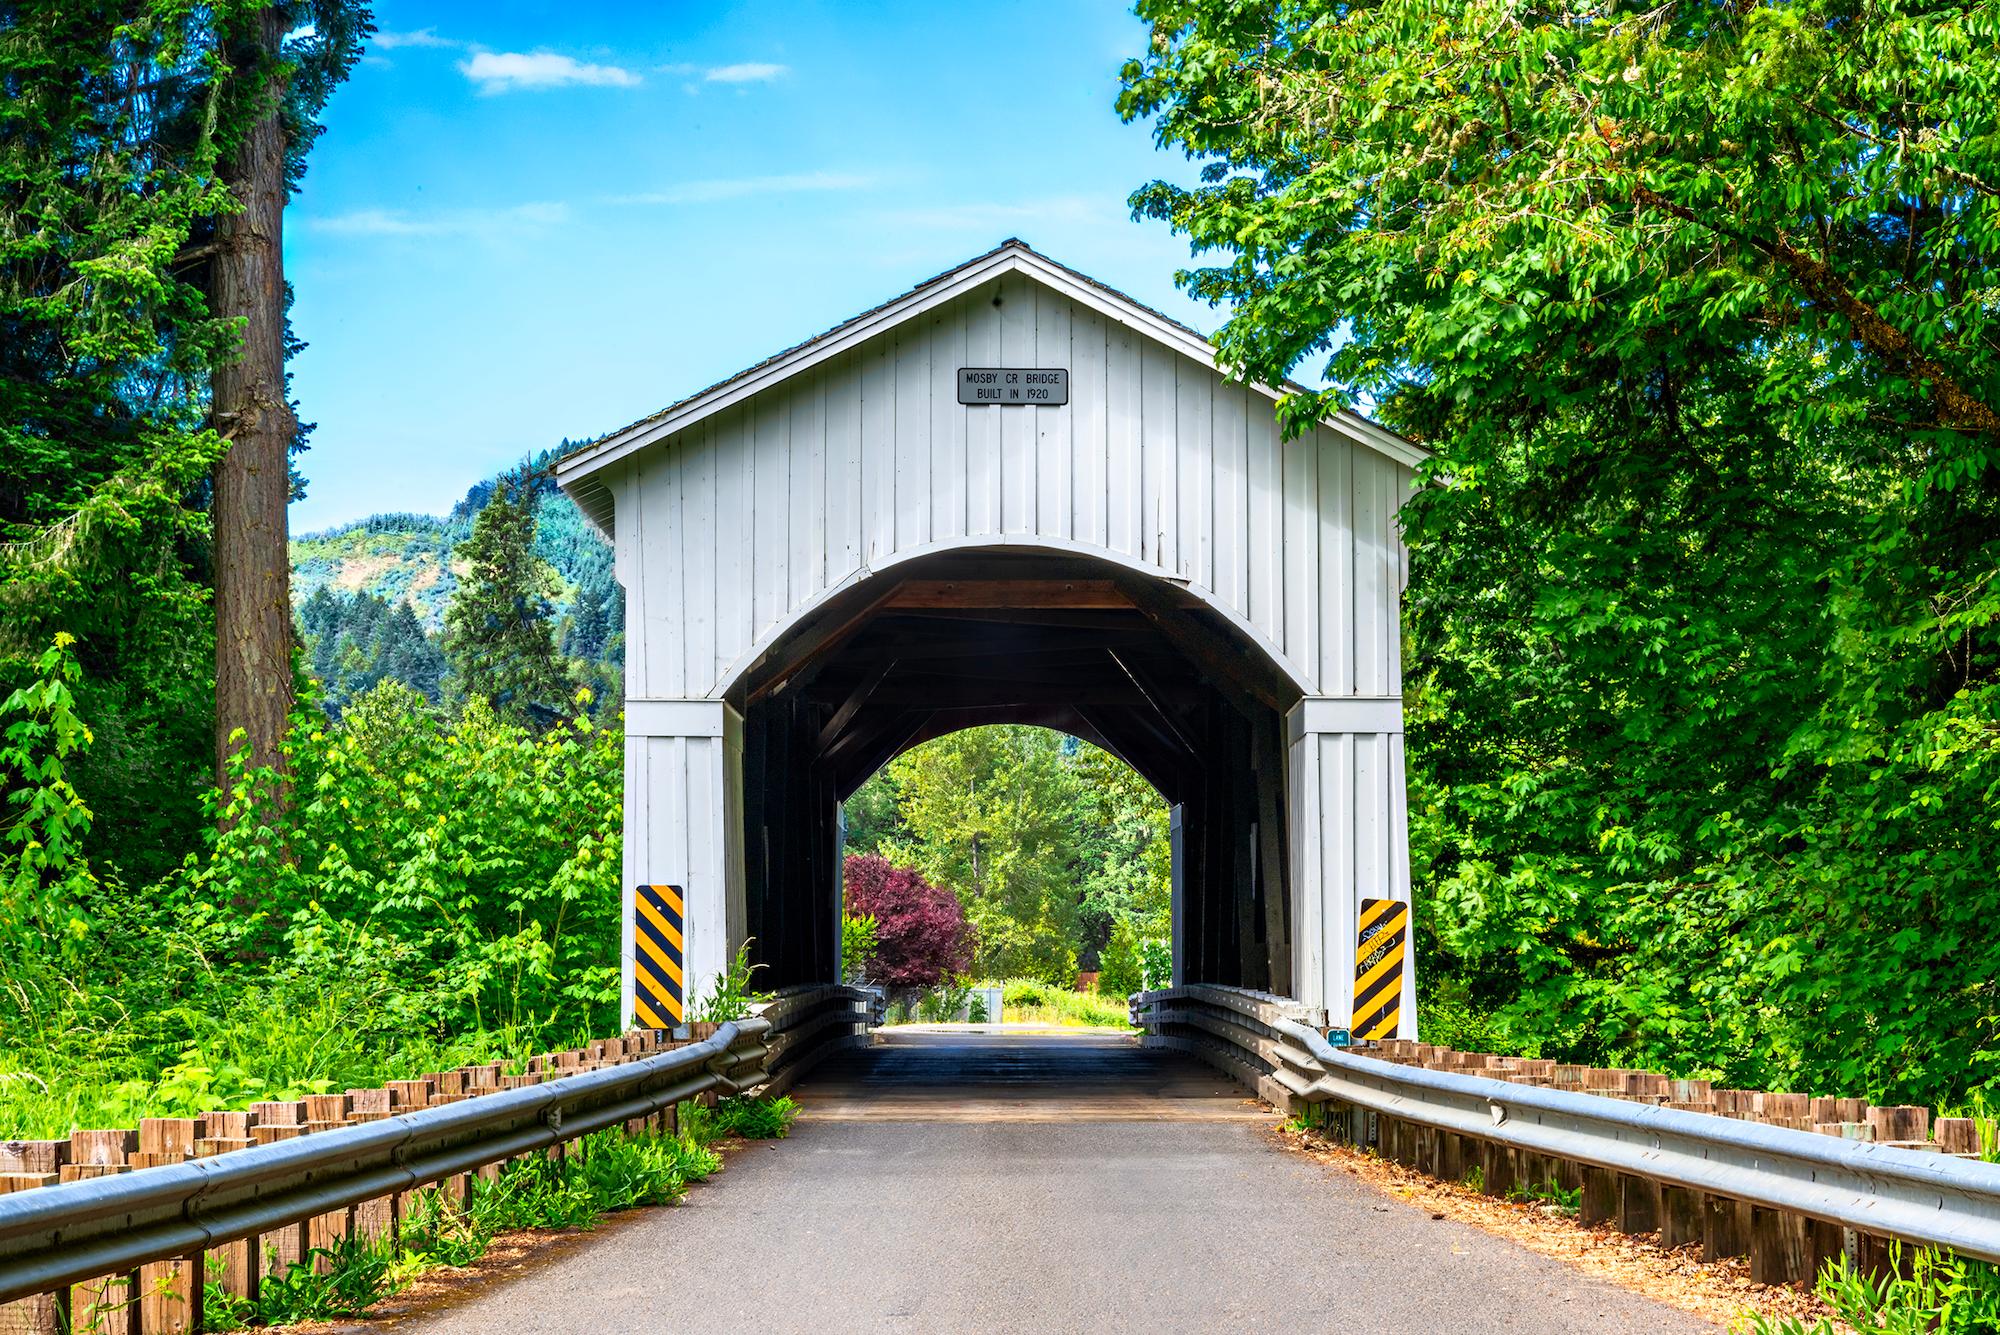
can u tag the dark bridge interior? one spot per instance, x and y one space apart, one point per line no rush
1135 665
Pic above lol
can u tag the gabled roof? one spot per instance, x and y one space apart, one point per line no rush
576 471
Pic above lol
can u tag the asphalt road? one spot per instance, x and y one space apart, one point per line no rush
954 1182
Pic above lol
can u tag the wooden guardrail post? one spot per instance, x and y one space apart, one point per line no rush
271 1122
1500 1168
109 1303
26 1165
376 1219
1638 1204
1599 1203
224 1133
1725 1228
325 1233
1682 1210
170 1292
407 1096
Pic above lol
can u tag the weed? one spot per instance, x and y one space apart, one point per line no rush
744 1116
1943 1295
355 1277
1569 1202
731 996
1475 1178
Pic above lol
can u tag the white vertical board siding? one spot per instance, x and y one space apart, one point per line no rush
1349 842
741 524
684 827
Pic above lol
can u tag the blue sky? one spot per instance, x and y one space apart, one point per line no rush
531 221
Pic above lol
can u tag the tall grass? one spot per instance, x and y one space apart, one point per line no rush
63 1067
1026 1001
602 1173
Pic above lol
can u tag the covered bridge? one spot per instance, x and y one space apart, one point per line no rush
1010 495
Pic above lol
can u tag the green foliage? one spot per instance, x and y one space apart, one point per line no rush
1693 305
1156 964
1120 972
730 996
1942 1295
355 644
749 1117
499 628
1568 1202
874 815
1031 1001
942 1004
327 1282
1446 1016
858 941
115 133
1047 841
46 820
472 914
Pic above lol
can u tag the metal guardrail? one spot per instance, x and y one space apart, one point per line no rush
809 1023
1921 1197
57 1236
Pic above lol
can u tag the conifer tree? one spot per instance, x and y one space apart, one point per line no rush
499 632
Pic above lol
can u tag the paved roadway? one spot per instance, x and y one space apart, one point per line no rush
952 1181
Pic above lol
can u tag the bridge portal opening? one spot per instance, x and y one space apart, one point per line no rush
1058 851
1129 663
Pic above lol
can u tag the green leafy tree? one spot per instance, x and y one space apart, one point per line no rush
500 628
1126 859
1693 304
124 132
988 814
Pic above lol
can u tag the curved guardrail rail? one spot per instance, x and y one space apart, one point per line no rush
811 1022
62 1235
1921 1197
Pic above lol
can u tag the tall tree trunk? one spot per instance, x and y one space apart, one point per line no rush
253 613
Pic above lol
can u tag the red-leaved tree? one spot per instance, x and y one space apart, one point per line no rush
921 933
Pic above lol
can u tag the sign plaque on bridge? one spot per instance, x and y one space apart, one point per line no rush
1014 387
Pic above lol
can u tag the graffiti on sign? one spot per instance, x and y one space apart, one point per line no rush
658 987
1378 967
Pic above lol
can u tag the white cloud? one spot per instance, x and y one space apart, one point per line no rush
508 71
747 72
736 187
487 223
390 41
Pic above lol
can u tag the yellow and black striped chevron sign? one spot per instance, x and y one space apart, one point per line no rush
657 984
1378 967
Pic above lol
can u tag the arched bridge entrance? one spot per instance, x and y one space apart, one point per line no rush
1010 495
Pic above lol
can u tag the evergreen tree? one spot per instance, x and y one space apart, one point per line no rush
500 627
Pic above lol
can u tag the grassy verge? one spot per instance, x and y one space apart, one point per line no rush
604 1173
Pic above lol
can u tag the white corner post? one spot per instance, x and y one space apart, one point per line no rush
1177 904
1350 842
684 828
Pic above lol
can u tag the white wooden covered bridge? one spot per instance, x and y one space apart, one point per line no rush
868 541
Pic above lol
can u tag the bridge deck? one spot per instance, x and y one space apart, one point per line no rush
1018 1074
954 1181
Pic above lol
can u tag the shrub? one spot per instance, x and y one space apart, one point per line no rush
1025 992
1119 972
858 944
922 937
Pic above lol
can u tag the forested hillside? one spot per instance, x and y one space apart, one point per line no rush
371 595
